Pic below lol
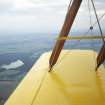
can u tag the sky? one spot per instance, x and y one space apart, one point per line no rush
39 16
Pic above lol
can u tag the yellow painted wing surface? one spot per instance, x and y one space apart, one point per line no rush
73 81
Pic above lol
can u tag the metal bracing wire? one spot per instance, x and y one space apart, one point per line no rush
98 21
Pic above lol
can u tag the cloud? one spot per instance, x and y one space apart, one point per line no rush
31 6
42 15
5 6
15 6
13 65
23 7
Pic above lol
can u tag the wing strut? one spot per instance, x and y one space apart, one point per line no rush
101 56
71 14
